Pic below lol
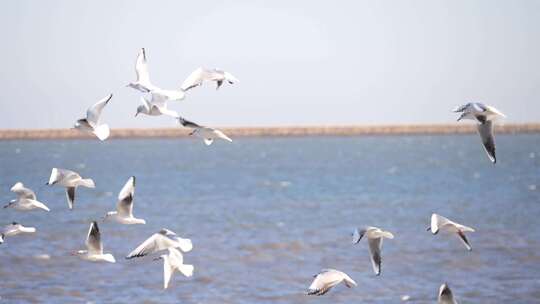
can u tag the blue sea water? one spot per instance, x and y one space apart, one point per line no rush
266 214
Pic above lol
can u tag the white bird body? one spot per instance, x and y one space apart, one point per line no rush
94 251
26 199
124 207
485 116
162 240
375 238
445 295
174 261
441 223
156 107
328 278
92 122
200 75
70 180
206 133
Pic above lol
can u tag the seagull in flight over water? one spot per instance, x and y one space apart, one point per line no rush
485 116
206 133
200 75
71 180
92 122
14 229
328 278
375 238
124 207
162 240
26 199
440 223
171 262
94 247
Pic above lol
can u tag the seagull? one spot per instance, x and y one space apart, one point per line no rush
441 223
156 107
327 279
206 133
445 295
14 229
171 262
484 115
143 83
375 239
164 239
197 77
26 199
71 180
92 122
124 207
94 247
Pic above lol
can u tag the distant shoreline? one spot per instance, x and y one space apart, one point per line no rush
356 130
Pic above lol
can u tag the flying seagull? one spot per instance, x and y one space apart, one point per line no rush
92 123
94 247
445 295
156 107
71 180
206 133
484 115
143 83
171 262
162 240
440 223
326 279
14 229
124 207
197 77
375 238
26 199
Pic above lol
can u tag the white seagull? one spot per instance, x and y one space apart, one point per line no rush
92 123
445 295
156 107
162 240
440 223
197 77
14 229
375 238
71 180
327 279
94 247
124 207
144 84
484 115
206 133
171 262
26 199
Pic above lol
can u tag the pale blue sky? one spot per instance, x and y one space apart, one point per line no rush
300 62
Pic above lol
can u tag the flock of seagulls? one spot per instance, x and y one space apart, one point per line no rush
168 242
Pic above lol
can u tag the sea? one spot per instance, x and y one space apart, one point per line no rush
266 214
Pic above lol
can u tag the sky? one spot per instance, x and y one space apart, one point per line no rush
299 62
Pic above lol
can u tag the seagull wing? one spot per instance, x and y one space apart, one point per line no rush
230 78
464 240
93 240
486 134
194 79
324 281
94 112
125 198
188 124
141 68
22 192
168 270
155 243
375 245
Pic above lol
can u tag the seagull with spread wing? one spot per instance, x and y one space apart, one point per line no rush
70 180
328 278
92 122
440 223
206 133
162 240
26 199
124 207
171 262
94 247
375 238
200 75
